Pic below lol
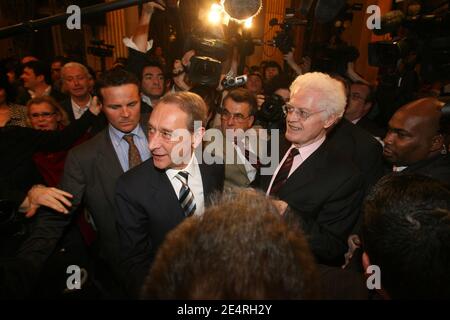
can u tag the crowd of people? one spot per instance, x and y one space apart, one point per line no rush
106 174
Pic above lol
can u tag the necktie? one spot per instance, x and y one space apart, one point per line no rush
283 173
249 156
134 158
186 197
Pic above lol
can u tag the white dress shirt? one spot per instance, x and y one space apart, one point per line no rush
78 111
195 183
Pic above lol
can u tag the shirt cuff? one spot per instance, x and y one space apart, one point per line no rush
130 44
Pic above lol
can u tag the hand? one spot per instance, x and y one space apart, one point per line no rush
53 198
260 98
95 106
306 65
289 57
149 7
186 60
280 205
354 243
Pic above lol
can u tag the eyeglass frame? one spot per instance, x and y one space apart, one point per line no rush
297 112
234 116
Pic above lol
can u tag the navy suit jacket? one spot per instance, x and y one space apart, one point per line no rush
148 209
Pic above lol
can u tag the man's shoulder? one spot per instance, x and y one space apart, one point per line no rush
145 172
91 147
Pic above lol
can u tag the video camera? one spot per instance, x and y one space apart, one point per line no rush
284 39
427 37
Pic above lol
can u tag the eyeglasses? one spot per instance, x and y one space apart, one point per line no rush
299 112
238 117
42 114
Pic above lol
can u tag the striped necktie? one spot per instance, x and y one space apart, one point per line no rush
186 197
283 173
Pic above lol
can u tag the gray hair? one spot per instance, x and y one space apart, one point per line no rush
330 92
75 65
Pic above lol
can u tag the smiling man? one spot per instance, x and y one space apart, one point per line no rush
155 197
315 182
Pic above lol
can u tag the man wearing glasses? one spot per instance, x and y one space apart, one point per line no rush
237 117
316 183
173 185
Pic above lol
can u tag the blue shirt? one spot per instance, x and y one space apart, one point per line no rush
121 146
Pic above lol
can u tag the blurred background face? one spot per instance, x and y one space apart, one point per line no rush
270 72
76 81
43 117
284 93
56 71
152 82
122 106
236 115
29 78
357 106
254 84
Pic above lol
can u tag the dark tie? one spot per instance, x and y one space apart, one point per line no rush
283 173
186 197
134 157
249 156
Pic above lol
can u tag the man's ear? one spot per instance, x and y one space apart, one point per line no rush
437 143
330 121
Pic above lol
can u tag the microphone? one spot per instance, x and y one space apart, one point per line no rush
390 22
326 11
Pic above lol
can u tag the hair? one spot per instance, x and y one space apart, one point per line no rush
239 249
115 78
191 103
271 64
211 97
406 232
4 84
61 59
243 95
280 81
74 65
371 94
40 69
52 102
330 92
150 62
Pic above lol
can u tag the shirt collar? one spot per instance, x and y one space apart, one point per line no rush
306 151
146 99
81 108
117 135
191 169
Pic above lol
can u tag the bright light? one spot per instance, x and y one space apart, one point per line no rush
215 14
248 23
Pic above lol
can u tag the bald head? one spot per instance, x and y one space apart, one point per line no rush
414 132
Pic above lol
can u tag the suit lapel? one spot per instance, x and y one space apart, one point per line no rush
163 190
108 165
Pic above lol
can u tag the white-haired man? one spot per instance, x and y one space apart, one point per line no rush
315 182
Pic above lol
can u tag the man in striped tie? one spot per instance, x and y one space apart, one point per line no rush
171 186
316 183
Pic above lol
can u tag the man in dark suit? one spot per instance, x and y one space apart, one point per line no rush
316 183
361 101
415 142
156 196
90 174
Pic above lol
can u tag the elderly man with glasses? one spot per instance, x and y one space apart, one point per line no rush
316 183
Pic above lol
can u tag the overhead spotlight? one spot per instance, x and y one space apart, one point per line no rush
215 14
248 23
